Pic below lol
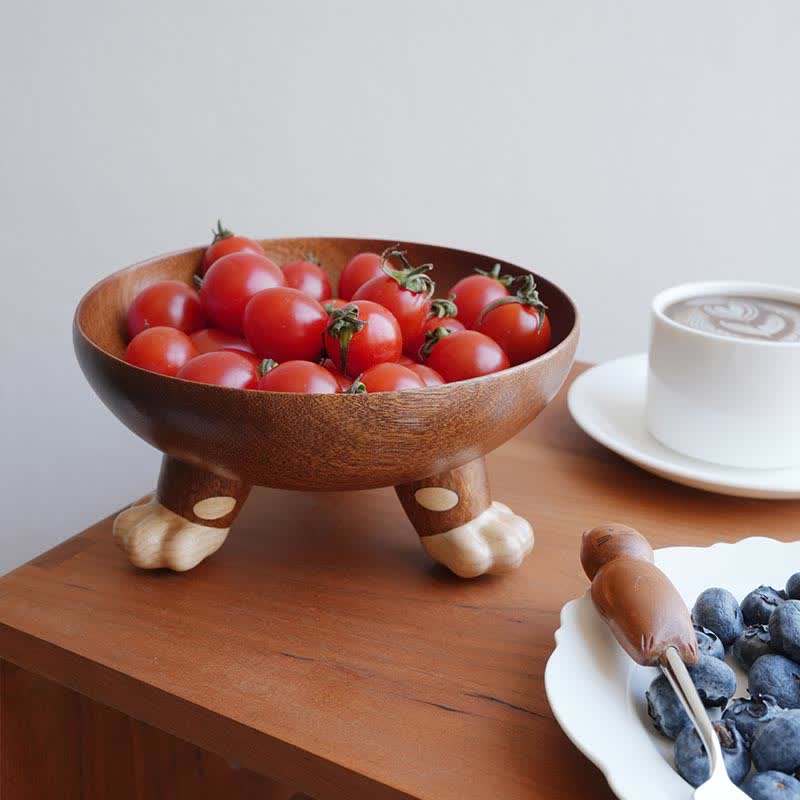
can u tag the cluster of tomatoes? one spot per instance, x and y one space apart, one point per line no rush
251 324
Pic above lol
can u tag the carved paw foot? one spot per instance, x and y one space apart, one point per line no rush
152 536
494 542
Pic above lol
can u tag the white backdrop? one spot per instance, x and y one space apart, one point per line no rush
619 147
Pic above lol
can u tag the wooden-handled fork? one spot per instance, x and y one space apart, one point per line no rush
652 624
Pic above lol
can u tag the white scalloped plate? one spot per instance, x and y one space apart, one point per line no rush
597 693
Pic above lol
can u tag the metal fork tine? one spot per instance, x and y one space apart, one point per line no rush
719 786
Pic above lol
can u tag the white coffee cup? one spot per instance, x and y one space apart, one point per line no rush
730 401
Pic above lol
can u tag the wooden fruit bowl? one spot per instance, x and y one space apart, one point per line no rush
218 442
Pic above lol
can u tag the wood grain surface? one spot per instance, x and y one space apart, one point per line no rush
321 649
60 745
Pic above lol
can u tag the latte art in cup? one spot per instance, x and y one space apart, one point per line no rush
754 318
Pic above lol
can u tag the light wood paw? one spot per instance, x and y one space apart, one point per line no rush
152 536
494 542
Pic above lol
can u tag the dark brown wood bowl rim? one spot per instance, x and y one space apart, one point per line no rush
565 342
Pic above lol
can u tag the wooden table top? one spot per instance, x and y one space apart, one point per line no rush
320 647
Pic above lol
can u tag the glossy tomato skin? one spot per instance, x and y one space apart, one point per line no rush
431 324
342 379
410 309
252 358
466 354
516 328
358 270
285 325
232 282
378 341
303 377
169 304
208 340
473 294
224 247
334 302
162 350
430 377
222 368
309 278
391 377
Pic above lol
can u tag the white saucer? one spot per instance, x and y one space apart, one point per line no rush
607 401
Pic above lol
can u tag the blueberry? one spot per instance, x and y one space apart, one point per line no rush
715 683
758 606
793 586
718 610
777 676
692 762
752 643
772 785
708 643
714 680
665 709
748 714
776 745
784 629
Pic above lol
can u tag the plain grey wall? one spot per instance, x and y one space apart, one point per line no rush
619 147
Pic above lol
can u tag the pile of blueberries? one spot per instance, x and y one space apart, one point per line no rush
762 731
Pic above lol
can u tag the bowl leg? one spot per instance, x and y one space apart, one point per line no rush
186 520
459 525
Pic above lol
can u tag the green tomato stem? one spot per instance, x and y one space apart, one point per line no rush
356 387
265 366
494 273
441 308
221 232
412 278
432 338
527 295
344 325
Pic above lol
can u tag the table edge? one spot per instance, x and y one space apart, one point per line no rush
258 751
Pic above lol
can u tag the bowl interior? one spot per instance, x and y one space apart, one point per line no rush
103 312
319 442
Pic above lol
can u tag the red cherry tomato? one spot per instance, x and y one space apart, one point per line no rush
358 270
474 293
208 340
222 368
170 304
252 358
430 377
361 335
519 324
285 324
405 292
159 349
390 377
463 355
405 361
309 277
303 377
342 379
450 323
226 243
443 314
230 284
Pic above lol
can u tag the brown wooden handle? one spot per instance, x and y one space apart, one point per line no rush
637 600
